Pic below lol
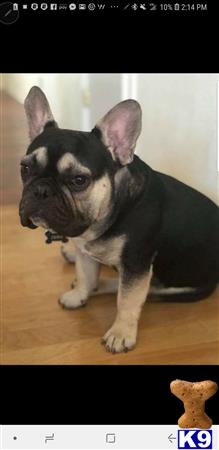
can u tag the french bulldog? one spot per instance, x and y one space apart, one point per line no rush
153 229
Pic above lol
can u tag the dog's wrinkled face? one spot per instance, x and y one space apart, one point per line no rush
68 176
63 189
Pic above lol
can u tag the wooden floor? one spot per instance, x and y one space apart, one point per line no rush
35 330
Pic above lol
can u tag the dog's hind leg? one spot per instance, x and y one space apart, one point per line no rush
106 286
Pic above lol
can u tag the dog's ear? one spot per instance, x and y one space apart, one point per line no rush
120 129
38 112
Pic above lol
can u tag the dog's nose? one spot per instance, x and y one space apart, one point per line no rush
42 192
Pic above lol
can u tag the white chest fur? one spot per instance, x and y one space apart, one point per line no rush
105 251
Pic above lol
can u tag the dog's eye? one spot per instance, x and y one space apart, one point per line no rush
80 179
25 169
80 182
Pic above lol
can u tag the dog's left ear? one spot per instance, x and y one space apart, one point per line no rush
38 112
120 129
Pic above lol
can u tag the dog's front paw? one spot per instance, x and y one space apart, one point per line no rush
120 337
72 299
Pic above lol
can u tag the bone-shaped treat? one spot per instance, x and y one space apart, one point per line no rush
194 396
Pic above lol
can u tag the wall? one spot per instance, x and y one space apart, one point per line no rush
62 91
179 133
105 93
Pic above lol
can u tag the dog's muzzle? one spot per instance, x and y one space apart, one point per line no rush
25 220
44 204
41 192
24 214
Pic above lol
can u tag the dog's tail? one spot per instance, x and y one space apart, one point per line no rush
181 294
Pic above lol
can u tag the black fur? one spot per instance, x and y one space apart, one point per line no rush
172 221
165 221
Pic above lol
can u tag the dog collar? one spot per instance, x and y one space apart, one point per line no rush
52 236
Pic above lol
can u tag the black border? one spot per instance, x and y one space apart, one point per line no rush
99 394
112 43
170 44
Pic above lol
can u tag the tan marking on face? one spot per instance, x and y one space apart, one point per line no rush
68 161
100 196
94 203
41 156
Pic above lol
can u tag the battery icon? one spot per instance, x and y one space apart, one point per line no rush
176 6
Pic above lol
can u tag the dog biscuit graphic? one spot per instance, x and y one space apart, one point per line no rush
194 396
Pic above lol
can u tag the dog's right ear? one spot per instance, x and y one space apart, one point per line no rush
38 112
